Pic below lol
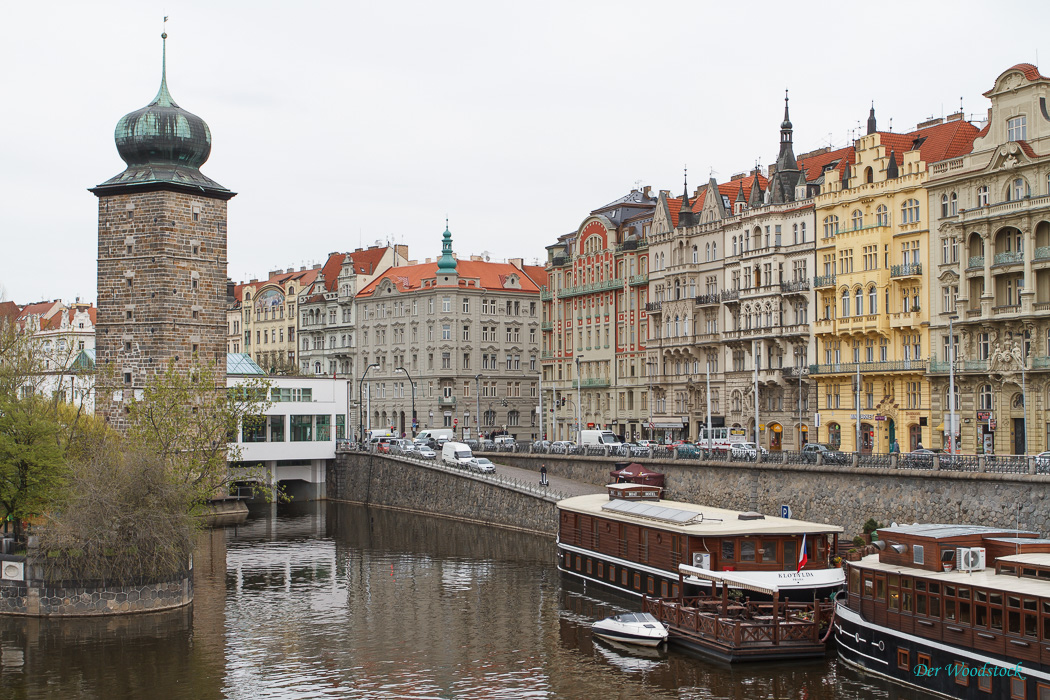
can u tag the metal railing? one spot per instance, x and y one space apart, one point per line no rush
824 281
794 287
908 270
851 367
1011 258
713 298
976 261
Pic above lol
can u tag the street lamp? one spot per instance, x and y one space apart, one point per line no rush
405 372
360 412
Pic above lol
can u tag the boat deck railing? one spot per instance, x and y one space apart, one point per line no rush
740 625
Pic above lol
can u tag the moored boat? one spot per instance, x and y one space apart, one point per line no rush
632 628
959 611
632 541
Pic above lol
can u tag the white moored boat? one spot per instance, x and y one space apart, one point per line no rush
632 628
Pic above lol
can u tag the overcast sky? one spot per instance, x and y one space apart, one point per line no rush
343 123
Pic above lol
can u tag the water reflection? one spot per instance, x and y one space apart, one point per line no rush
350 602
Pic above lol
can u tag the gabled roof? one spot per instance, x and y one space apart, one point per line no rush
813 166
935 143
9 310
301 278
490 275
537 274
365 262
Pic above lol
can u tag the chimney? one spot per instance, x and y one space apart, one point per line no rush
955 117
647 191
401 250
476 258
517 262
302 268
274 273
290 270
317 266
254 281
929 122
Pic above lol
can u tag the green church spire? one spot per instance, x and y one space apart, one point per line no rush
446 263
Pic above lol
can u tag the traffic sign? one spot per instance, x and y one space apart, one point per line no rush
785 511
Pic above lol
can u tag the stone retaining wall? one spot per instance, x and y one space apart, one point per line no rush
72 598
359 477
844 496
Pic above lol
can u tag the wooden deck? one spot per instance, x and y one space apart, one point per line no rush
741 631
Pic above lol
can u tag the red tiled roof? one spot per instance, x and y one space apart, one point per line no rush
36 309
673 207
9 310
1030 71
984 132
93 315
537 273
410 277
814 165
940 141
1027 148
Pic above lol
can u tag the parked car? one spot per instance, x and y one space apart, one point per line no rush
918 459
481 464
829 454
686 449
541 444
746 450
425 452
562 446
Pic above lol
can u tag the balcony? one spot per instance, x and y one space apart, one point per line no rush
632 245
1040 362
1004 208
652 306
731 295
870 367
1009 258
639 280
823 281
906 319
794 372
545 294
446 401
976 262
559 261
824 325
547 355
941 366
708 299
1006 310
760 291
796 287
908 270
547 326
1042 253
592 288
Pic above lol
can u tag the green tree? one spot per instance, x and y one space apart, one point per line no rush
189 419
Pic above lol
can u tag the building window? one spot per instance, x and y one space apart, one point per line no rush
910 211
882 216
1017 128
845 303
985 397
1018 190
858 219
831 226
982 196
872 300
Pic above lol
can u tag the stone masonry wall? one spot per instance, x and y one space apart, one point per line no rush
152 247
837 495
70 598
385 481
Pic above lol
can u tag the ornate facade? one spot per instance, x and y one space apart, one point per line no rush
991 241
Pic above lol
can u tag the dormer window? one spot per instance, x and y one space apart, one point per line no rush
1017 128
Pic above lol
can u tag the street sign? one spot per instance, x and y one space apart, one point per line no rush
785 511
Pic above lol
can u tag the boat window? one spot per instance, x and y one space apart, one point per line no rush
769 551
747 550
880 588
984 683
790 555
995 609
728 550
902 659
612 573
964 613
1046 620
949 608
1017 688
961 673
1031 620
918 555
869 586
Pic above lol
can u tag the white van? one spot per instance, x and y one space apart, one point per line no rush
435 433
598 438
456 454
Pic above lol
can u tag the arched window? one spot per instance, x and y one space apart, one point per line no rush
794 231
1018 190
982 196
953 205
910 211
834 435
944 205
734 245
873 300
859 301
869 175
707 253
984 397
696 255
858 219
802 231
677 326
882 216
831 226
677 289
714 250
845 303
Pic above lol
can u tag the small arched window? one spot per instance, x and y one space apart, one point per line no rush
734 245
696 255
794 231
707 253
873 300
1018 190
858 219
953 204
869 175
714 250
859 301
944 205
831 226
845 303
910 211
882 216
982 196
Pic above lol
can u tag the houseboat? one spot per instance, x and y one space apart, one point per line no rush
958 611
633 541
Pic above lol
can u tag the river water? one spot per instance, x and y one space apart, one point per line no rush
327 600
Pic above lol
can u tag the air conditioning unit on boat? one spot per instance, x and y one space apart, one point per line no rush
12 570
702 560
970 558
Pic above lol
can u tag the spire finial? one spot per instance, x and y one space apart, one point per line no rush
163 96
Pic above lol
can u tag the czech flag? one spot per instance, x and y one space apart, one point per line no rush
802 558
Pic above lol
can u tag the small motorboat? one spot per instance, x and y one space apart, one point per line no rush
632 628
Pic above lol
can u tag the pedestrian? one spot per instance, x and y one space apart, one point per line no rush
543 475
918 446
895 447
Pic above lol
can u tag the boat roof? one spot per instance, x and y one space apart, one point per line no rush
942 531
985 578
1033 558
694 519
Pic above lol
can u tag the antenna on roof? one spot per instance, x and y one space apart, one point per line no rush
960 103
891 123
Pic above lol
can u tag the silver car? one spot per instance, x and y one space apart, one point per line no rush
481 464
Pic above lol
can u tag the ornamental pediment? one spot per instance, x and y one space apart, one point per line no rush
1008 157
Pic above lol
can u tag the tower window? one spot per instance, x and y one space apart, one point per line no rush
130 248
196 216
128 280
127 346
130 213
128 314
196 249
194 284
127 377
196 314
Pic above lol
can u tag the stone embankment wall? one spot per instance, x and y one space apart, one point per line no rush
72 598
845 496
361 477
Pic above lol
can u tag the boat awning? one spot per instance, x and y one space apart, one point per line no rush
739 580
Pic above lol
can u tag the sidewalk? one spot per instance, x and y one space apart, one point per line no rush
557 483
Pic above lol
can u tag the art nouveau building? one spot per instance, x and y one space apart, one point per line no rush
327 325
268 317
465 332
594 322
872 318
991 244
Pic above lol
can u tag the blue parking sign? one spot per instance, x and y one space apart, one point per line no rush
785 511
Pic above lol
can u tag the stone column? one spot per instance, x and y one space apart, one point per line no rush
988 297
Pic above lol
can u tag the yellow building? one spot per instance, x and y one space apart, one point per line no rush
872 321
